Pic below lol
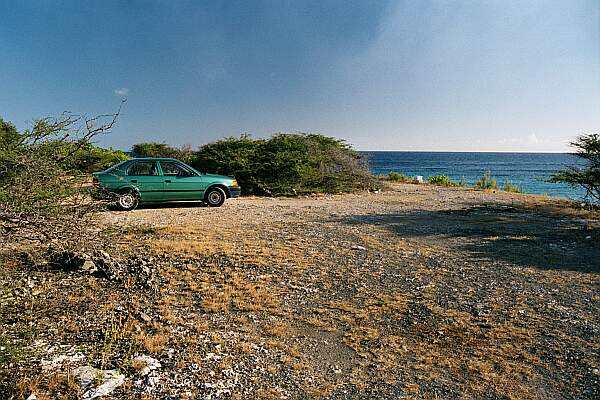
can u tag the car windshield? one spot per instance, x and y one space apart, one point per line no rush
172 168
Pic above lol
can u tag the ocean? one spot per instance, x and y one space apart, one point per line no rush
527 170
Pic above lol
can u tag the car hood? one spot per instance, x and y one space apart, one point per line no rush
222 177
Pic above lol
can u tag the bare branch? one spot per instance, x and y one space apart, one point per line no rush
41 197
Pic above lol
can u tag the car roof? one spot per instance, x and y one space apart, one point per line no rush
154 159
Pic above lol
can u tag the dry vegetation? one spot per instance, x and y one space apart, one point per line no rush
415 292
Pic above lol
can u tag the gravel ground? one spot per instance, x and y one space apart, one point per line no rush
413 292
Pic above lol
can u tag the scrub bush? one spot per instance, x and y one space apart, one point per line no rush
442 180
87 158
154 149
486 182
42 194
511 187
397 177
287 164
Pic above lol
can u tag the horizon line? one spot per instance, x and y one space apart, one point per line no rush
470 151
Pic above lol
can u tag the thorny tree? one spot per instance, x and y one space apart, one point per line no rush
587 148
41 198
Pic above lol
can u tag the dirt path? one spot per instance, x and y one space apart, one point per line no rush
416 292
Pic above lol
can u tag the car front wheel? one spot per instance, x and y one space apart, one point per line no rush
127 201
215 197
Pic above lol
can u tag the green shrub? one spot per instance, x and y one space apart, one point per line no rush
232 156
397 177
154 149
442 180
486 182
287 164
42 195
86 157
11 149
510 187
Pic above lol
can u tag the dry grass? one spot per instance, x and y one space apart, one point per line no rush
138 364
277 329
268 394
237 241
318 391
153 343
234 291
53 386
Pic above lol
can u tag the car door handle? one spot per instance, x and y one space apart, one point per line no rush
133 181
167 180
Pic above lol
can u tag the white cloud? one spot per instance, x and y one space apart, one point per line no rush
122 92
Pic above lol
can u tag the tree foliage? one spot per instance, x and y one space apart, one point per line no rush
287 164
155 149
587 148
87 157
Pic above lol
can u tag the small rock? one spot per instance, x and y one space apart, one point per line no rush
88 266
32 396
152 382
49 365
145 317
149 363
357 247
104 254
86 375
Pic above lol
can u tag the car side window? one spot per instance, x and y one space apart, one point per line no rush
142 168
173 169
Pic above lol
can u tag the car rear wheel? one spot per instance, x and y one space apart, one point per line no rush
215 197
127 200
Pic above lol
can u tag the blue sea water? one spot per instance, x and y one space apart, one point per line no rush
527 170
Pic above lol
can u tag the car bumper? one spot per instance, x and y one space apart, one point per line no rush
234 191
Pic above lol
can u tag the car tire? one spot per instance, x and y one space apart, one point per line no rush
127 200
215 197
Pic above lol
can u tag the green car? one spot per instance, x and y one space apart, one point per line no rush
149 180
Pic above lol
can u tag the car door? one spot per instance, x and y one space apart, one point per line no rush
144 175
181 183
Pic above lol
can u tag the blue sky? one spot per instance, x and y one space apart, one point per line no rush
385 75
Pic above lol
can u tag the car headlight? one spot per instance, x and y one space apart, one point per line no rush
234 183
